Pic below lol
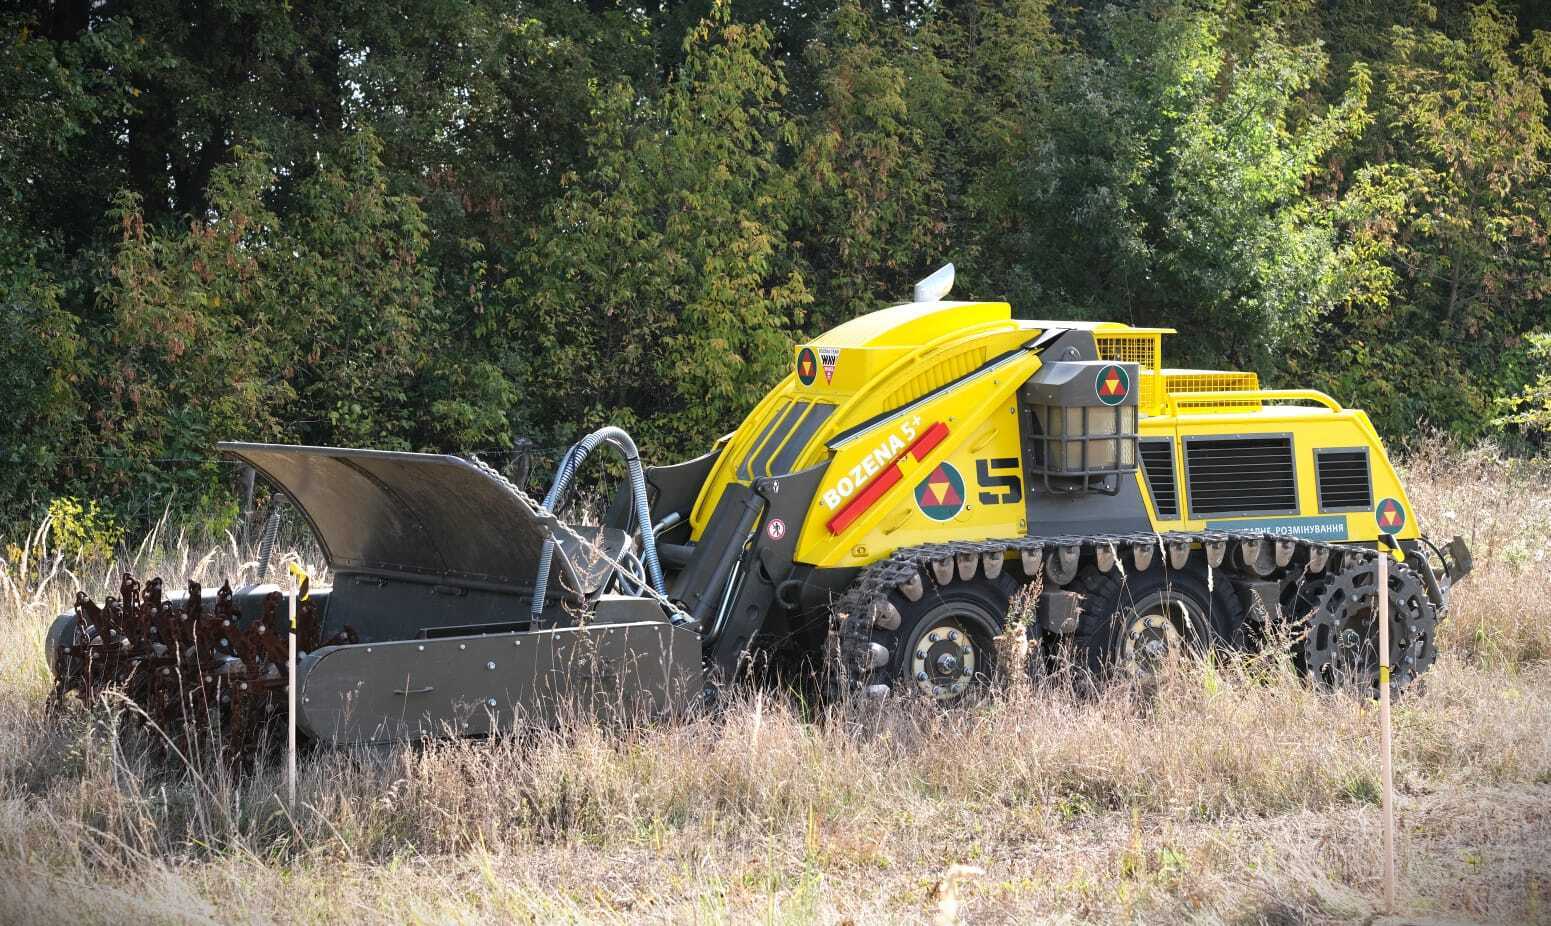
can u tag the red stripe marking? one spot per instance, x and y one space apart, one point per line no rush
863 500
929 439
886 478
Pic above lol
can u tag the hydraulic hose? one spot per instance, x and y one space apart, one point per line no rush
566 474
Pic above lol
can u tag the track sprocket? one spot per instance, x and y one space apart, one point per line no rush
1338 642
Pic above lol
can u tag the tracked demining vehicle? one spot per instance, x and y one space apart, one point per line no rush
871 517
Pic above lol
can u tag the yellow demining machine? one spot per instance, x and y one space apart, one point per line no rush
872 515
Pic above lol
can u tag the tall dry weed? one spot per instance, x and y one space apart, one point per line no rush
1227 789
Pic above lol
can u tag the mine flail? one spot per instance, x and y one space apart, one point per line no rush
865 527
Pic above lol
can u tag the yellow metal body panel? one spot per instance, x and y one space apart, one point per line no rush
881 381
1311 429
878 363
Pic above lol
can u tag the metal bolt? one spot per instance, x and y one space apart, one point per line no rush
920 654
490 666
463 646
420 649
490 702
920 676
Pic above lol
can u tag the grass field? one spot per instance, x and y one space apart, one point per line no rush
1233 793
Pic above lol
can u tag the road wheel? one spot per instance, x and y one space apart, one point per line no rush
1139 622
943 644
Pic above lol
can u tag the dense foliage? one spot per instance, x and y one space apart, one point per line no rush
451 224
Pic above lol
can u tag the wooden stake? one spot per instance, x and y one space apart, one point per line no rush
1384 724
290 717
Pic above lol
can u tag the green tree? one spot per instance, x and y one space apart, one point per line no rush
320 327
1168 184
872 210
1460 215
662 290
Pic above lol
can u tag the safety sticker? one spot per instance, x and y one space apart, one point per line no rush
828 357
775 528
807 366
1391 516
940 496
1113 384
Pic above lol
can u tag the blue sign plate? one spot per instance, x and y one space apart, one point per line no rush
1325 527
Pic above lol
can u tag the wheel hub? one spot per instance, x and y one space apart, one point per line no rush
944 661
1150 641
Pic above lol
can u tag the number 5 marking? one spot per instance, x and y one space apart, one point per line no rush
1011 482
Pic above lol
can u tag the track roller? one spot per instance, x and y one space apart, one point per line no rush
942 569
1061 565
1033 562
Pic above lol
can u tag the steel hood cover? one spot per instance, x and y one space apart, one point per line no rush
427 514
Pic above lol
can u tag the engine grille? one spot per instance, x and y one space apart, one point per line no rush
1158 467
1241 475
1344 482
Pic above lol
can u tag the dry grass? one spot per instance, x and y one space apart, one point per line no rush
1232 794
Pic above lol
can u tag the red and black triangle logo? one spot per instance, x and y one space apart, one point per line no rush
807 366
1391 516
940 495
1112 384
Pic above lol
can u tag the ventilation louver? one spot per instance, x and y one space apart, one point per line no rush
1344 483
1158 467
1241 475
